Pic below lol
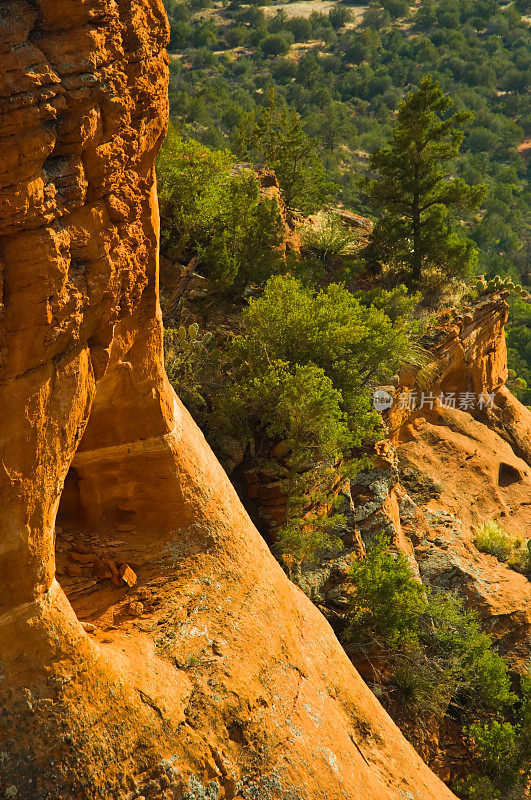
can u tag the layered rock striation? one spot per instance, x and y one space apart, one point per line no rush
206 674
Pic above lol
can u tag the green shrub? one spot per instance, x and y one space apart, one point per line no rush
302 539
210 211
328 339
339 16
477 787
294 403
396 8
400 306
355 346
298 405
276 44
500 751
300 27
332 245
387 603
491 538
186 355
452 636
434 647
495 743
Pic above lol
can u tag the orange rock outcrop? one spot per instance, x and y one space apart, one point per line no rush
480 459
210 676
465 461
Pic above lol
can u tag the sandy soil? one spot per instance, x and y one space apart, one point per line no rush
307 7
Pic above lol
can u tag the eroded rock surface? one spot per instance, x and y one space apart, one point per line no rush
211 676
453 468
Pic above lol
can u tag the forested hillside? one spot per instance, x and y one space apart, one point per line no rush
343 68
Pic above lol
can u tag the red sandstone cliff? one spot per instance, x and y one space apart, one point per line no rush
212 676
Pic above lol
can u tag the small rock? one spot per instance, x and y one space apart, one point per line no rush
218 647
83 558
79 547
102 570
88 627
115 575
128 575
74 570
136 609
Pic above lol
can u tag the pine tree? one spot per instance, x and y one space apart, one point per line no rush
416 192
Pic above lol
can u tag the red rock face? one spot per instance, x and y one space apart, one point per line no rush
478 459
84 112
205 673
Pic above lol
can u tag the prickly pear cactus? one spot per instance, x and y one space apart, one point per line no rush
498 284
189 338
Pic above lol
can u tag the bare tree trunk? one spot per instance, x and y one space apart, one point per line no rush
417 259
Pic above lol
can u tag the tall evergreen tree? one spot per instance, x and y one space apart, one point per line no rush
417 193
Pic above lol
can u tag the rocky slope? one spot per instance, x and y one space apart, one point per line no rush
478 454
446 468
198 671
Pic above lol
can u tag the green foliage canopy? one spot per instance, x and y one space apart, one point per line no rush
356 347
212 211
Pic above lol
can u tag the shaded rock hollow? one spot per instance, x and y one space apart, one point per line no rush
212 676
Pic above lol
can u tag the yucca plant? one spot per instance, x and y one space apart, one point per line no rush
330 242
